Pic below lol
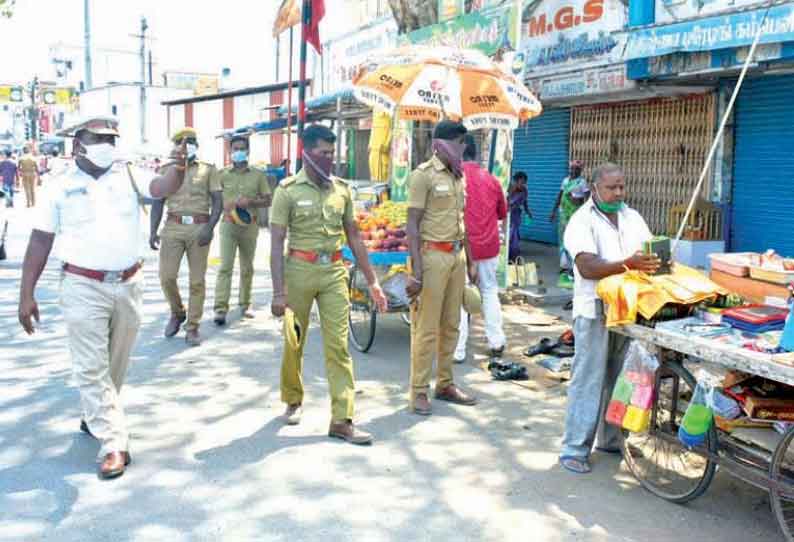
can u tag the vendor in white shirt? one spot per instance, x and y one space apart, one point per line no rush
94 208
604 237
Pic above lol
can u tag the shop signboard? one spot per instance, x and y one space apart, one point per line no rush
729 31
603 80
691 63
347 52
402 136
669 11
11 94
563 35
488 30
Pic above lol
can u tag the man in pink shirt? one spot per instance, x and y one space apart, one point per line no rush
485 207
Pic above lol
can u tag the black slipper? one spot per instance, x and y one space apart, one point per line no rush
562 351
513 372
544 346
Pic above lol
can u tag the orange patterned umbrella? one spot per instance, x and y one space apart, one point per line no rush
423 83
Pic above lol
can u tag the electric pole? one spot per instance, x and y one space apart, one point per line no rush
144 27
89 80
33 111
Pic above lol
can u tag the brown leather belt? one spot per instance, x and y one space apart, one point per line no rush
103 276
316 257
187 219
452 246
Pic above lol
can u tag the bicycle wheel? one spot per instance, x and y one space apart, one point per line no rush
659 461
781 473
363 315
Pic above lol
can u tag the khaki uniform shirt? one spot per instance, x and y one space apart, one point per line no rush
247 184
314 216
193 197
27 166
442 197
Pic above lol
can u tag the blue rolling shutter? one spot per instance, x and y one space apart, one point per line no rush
763 184
541 151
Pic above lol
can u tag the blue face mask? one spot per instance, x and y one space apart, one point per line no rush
239 156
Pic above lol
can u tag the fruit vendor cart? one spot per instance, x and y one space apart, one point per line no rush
363 314
664 466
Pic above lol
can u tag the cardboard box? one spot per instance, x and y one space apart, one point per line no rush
769 409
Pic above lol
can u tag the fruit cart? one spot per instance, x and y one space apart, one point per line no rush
668 469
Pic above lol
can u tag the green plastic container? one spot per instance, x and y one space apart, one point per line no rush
697 420
623 390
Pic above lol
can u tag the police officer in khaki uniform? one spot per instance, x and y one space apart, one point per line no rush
94 209
193 212
440 257
245 189
29 172
313 212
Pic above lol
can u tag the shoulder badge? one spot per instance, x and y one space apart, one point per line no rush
425 165
288 181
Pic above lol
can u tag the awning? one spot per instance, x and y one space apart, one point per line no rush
260 127
728 31
321 102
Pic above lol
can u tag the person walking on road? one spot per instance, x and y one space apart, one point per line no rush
573 193
485 208
9 174
193 212
245 189
604 237
518 200
29 172
313 212
440 257
94 210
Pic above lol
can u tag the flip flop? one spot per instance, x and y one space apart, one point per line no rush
544 346
575 465
562 351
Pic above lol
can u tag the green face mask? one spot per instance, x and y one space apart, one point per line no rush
608 208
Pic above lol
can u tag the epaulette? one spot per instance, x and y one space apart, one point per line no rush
341 181
425 165
288 181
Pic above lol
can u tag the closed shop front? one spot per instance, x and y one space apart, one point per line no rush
541 151
661 145
762 203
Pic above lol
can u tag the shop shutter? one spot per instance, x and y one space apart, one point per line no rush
541 151
762 203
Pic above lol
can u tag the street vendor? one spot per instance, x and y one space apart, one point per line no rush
313 211
437 240
573 193
604 238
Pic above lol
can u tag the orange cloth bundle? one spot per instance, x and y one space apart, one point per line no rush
635 292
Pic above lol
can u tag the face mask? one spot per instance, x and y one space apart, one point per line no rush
451 154
101 155
319 165
239 156
608 208
192 151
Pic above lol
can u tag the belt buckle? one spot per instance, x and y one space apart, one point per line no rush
456 246
323 258
187 220
113 276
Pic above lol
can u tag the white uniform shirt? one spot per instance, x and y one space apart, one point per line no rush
590 231
97 222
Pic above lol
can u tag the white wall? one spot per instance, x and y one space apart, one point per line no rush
208 122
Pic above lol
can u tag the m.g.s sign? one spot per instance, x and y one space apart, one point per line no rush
558 35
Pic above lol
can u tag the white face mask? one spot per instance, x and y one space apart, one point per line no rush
192 150
102 155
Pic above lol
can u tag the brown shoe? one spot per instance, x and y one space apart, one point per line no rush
114 465
452 394
174 323
192 337
347 432
421 405
292 416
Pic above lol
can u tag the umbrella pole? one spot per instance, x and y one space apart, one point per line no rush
305 20
492 151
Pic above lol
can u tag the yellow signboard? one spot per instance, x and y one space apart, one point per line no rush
11 94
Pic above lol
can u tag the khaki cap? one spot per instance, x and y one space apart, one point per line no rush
184 133
95 125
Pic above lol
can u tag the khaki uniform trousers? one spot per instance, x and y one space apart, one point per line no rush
434 329
234 237
327 284
179 240
29 184
102 321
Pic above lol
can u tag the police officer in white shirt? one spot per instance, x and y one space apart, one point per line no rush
94 208
604 237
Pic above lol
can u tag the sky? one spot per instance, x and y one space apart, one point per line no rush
198 35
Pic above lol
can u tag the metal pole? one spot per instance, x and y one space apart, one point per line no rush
305 20
289 103
151 69
339 136
89 80
144 27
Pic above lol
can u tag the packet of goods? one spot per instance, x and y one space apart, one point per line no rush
634 392
395 287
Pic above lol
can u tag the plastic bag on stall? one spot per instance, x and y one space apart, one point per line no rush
633 395
699 415
395 287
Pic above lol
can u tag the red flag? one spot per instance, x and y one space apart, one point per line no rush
313 30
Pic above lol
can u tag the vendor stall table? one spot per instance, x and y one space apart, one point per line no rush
363 315
665 467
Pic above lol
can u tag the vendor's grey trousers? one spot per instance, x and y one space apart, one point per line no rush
596 366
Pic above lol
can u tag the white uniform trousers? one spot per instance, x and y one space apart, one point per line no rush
491 309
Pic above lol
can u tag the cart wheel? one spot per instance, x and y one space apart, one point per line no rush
363 314
659 461
781 472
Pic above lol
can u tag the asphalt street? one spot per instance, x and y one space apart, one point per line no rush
212 461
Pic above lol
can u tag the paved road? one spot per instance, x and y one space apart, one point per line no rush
212 462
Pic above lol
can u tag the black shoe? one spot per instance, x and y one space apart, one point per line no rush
220 319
